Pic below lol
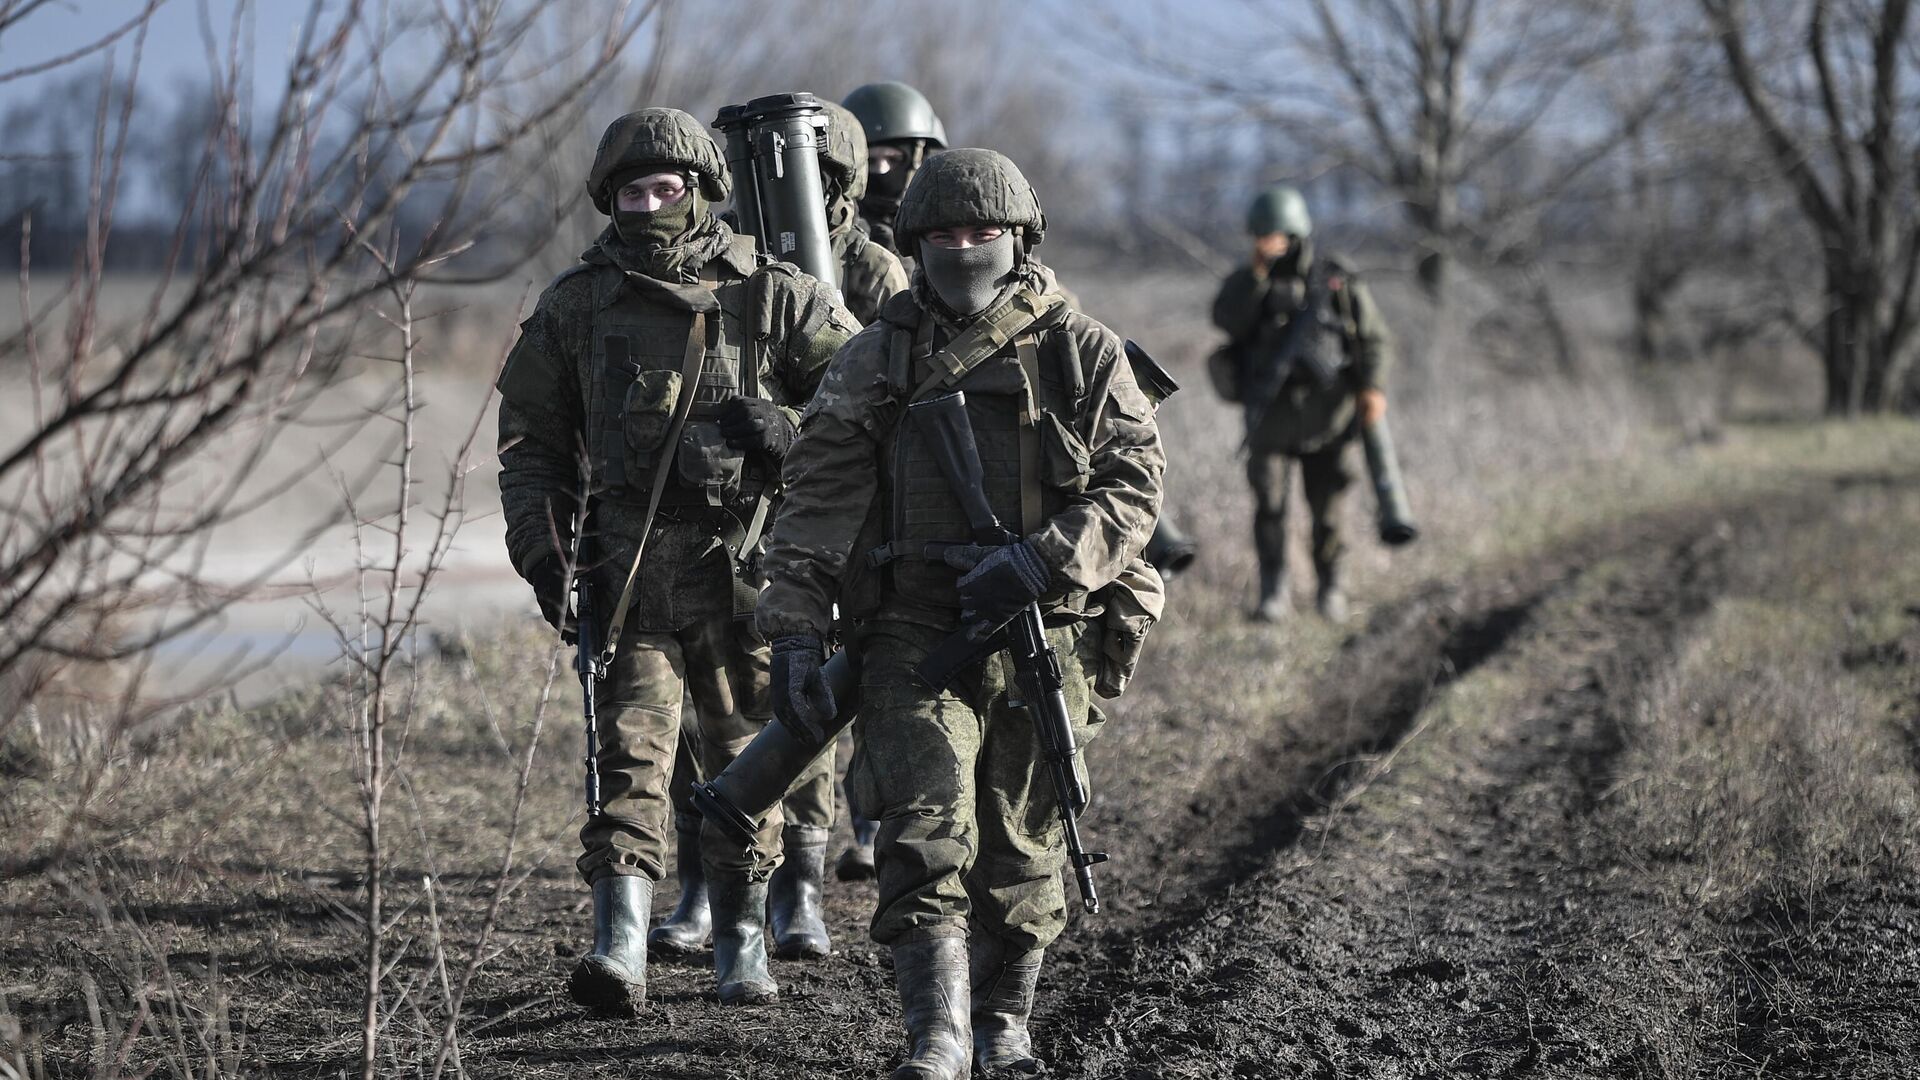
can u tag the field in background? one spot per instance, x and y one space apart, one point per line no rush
1613 775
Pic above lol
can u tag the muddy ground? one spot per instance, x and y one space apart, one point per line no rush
1616 774
1434 857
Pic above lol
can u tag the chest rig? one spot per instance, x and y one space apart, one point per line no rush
644 337
1030 458
1310 346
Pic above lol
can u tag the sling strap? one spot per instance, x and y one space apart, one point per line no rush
690 372
987 336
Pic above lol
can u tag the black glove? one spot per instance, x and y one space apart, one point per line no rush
801 697
550 587
999 581
751 423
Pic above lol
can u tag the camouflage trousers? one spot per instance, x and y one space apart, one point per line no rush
1325 475
722 665
969 838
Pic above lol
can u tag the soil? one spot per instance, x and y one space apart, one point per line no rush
1344 899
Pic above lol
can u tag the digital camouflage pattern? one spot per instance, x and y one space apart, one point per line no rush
869 273
833 475
968 186
969 833
657 136
967 818
686 588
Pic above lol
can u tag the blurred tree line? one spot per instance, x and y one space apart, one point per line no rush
1737 169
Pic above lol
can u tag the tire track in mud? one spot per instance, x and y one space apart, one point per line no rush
1280 963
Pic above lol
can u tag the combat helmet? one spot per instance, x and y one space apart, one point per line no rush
969 186
666 137
1279 209
894 110
846 152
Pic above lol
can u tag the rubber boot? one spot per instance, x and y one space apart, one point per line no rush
740 940
684 933
1003 988
856 863
1273 606
793 896
612 979
932 976
1330 599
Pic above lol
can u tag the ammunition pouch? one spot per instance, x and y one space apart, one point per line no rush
705 463
1065 462
1133 603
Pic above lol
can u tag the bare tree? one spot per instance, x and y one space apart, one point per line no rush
1849 147
1458 108
143 436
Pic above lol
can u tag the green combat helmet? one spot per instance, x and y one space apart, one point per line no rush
968 187
666 137
893 110
1279 209
845 158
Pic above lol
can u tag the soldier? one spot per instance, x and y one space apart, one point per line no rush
902 129
869 276
1307 358
970 850
668 365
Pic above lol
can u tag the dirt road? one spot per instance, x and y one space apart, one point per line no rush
1640 803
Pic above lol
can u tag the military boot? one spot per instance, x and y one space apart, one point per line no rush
685 932
793 898
1003 987
1273 606
1330 599
856 863
612 980
740 940
932 976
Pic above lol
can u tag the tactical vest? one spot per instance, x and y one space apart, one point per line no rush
1311 345
1031 458
639 354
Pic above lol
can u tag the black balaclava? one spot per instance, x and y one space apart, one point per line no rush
968 280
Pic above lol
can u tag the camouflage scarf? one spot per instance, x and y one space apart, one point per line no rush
673 263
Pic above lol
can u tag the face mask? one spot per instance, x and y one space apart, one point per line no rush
887 187
967 279
648 229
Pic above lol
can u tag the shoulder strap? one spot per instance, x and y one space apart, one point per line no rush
987 336
690 372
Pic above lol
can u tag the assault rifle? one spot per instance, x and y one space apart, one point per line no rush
942 421
591 667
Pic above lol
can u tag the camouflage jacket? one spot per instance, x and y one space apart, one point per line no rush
1254 312
869 273
546 396
836 476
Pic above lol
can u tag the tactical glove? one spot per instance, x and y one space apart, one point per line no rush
801 697
751 423
999 581
550 587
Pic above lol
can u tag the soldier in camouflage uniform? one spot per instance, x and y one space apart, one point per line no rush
595 385
1307 358
869 276
970 849
902 131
